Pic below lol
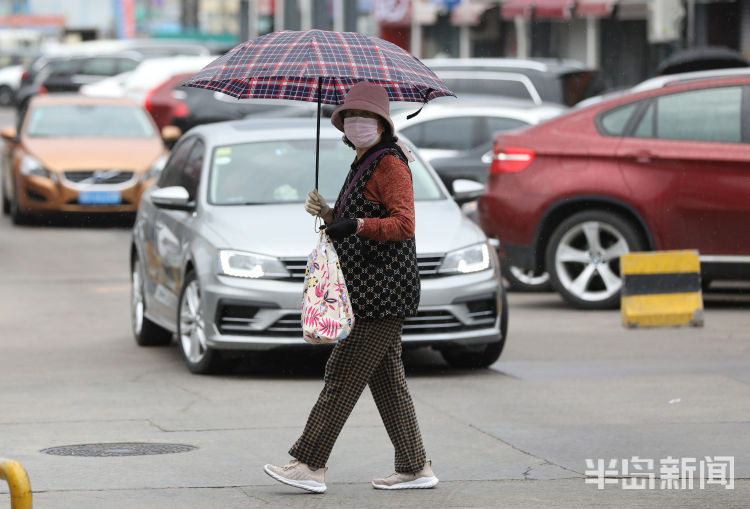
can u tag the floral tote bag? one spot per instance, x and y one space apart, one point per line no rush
327 313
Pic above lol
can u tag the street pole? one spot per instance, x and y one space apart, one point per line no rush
248 20
338 15
415 34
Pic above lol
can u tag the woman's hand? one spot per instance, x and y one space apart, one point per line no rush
316 205
341 227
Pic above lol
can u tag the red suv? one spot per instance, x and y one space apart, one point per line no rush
665 168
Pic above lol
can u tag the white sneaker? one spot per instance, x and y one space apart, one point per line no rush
425 478
298 474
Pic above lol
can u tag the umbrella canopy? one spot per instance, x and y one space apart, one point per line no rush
320 66
292 65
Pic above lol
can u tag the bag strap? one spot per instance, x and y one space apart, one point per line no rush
362 167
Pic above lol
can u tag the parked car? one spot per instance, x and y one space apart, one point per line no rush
456 137
10 82
221 240
549 80
68 74
148 75
80 154
663 168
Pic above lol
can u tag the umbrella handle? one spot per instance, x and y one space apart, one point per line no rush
317 138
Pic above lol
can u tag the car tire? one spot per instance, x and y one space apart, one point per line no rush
483 355
191 336
522 280
7 97
583 257
146 332
18 217
6 203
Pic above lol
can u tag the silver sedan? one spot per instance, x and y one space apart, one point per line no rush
220 244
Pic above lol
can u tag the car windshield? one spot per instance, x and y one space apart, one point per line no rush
89 120
283 171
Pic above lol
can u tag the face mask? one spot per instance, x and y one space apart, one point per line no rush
363 132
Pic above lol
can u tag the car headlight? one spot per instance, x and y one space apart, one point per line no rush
467 260
250 265
155 170
30 165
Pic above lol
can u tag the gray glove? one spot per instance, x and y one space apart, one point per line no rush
316 205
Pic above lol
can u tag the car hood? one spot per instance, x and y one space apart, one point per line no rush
95 153
287 231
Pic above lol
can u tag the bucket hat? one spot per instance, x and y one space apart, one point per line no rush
364 96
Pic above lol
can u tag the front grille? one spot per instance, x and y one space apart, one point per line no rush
99 177
426 322
428 266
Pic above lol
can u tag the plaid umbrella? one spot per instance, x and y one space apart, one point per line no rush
318 65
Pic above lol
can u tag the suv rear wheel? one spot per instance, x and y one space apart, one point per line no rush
583 257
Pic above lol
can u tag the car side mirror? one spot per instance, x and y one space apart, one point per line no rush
9 133
173 198
170 133
465 190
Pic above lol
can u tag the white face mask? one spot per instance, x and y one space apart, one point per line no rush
363 132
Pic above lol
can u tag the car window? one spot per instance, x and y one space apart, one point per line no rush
191 171
99 67
126 64
495 124
698 115
615 121
488 86
284 171
89 120
414 133
171 175
645 128
56 68
458 133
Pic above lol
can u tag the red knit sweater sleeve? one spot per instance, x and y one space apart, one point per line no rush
390 185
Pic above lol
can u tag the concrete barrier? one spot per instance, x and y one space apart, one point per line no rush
18 482
661 289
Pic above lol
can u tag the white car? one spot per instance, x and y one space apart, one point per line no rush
455 136
220 244
148 75
10 82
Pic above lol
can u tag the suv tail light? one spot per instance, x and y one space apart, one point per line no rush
511 159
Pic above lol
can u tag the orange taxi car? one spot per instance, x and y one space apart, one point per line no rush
80 154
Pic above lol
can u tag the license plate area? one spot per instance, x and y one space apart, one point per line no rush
99 198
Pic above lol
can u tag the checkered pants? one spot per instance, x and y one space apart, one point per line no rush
370 355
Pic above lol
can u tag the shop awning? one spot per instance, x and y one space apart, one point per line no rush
543 9
556 9
594 8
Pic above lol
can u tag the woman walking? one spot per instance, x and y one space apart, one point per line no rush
372 229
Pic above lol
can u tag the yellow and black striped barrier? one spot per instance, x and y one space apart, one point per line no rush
18 483
661 289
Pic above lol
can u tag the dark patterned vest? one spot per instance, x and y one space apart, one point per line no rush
382 277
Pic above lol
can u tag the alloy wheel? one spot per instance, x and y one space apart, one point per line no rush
587 260
136 299
192 325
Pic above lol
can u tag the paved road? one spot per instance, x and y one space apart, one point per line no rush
570 386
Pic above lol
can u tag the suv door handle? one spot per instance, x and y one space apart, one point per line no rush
641 156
